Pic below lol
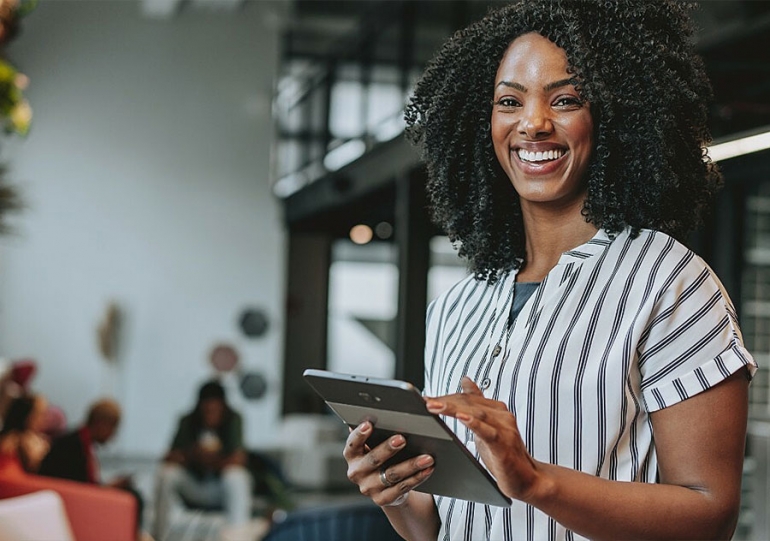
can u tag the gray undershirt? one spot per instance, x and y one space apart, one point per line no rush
522 291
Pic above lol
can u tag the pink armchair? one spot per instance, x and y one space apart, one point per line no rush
95 513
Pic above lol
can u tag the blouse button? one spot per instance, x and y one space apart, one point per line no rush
496 351
486 382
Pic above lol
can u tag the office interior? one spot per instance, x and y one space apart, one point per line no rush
192 163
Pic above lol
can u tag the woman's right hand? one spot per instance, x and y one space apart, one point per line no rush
34 447
386 487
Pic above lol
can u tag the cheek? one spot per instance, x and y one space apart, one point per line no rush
497 128
582 133
499 132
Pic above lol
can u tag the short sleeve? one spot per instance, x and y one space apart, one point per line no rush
692 340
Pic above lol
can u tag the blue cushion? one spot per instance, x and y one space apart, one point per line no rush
355 522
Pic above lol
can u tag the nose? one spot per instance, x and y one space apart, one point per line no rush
535 122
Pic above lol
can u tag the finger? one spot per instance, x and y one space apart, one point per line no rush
384 451
450 405
355 444
486 431
469 386
386 496
364 469
404 470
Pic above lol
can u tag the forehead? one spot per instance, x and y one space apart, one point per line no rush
532 57
212 402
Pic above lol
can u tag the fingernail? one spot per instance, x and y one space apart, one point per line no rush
463 417
425 460
365 428
434 405
397 441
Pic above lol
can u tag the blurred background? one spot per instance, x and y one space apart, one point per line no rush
233 172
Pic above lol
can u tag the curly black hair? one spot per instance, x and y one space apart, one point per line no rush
649 95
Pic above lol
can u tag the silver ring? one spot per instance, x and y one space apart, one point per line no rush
384 478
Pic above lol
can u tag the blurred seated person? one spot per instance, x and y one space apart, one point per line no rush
205 466
15 377
73 454
22 442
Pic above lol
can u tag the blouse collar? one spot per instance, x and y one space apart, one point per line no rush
595 246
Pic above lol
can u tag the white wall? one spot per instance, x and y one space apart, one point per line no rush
146 176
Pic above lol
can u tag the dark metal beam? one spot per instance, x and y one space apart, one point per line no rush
413 232
373 171
307 292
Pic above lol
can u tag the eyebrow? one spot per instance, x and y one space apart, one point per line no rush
550 86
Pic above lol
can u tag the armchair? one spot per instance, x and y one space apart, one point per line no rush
95 513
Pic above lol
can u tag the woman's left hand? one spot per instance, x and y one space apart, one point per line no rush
497 437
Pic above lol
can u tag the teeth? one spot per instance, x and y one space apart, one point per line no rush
540 156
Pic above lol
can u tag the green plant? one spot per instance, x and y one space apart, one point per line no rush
15 111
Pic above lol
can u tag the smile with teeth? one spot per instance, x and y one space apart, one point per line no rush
548 155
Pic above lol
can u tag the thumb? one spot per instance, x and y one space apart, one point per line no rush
469 386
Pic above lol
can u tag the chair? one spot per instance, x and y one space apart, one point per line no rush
350 522
94 513
38 516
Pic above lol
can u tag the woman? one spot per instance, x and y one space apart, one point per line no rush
22 442
564 143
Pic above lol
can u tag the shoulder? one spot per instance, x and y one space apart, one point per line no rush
682 287
658 253
235 418
467 291
68 439
650 242
186 422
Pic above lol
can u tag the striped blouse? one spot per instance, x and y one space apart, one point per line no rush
620 328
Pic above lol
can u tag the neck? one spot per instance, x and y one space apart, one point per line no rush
548 235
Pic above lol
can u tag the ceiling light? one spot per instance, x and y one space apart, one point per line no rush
739 147
384 230
361 234
344 154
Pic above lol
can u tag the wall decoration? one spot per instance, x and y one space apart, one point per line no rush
108 332
253 322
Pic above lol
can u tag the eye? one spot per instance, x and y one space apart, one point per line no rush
568 102
506 103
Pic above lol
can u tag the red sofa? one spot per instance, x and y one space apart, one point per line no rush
95 513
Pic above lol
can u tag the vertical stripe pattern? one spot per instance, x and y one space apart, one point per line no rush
620 328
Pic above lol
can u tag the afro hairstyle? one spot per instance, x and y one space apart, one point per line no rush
635 64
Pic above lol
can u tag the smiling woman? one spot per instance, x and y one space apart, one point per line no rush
542 132
593 362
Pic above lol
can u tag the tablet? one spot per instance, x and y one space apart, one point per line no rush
397 407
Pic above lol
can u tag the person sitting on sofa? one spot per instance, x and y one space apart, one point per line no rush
73 455
206 464
21 438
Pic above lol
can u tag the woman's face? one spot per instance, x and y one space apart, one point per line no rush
212 412
542 130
